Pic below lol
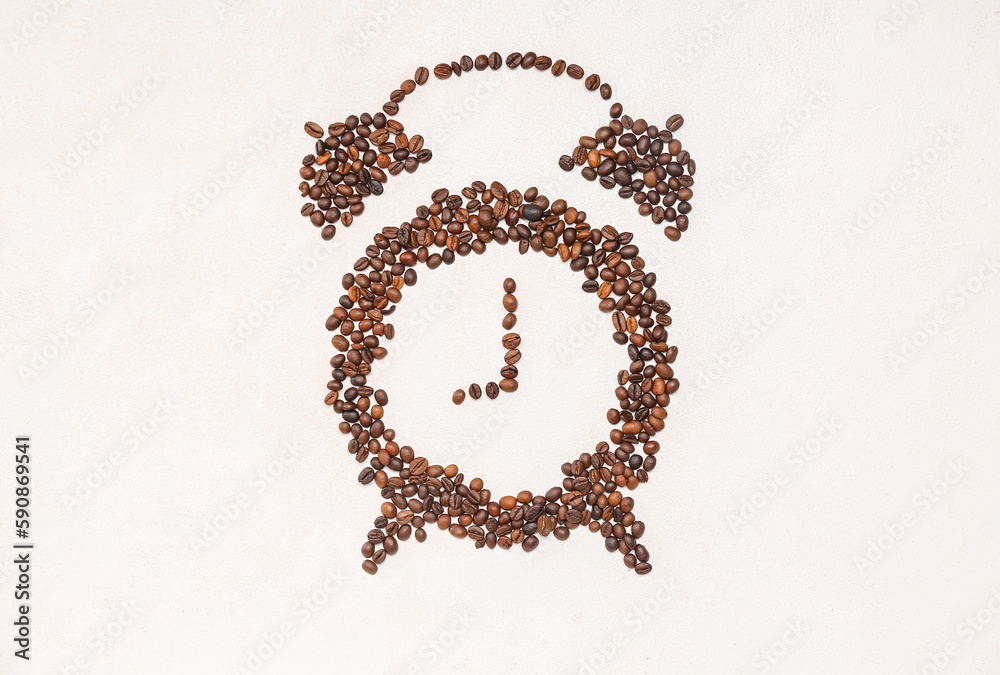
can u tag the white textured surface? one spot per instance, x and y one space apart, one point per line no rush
227 92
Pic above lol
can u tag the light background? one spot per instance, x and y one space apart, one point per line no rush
801 115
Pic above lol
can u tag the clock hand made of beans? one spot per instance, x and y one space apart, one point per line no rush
352 162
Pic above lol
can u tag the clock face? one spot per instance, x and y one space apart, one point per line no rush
420 493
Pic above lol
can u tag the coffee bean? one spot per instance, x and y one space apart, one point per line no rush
511 340
566 163
510 303
466 63
421 75
442 71
674 122
509 321
474 391
458 397
558 67
508 384
492 390
508 372
543 63
314 130
509 285
369 566
495 61
574 71
593 82
514 60
512 356
528 60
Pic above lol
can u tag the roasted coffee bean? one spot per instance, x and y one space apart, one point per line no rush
495 61
514 60
566 163
474 391
574 71
511 340
442 71
512 356
458 396
314 130
509 321
421 75
509 285
508 384
509 372
674 122
510 302
593 82
492 390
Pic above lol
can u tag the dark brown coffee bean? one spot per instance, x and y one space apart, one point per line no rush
492 390
512 356
509 285
369 566
574 71
495 61
511 340
616 110
643 568
442 71
566 163
421 75
474 391
543 63
674 122
508 372
558 68
458 396
514 60
314 130
367 476
482 62
466 63
605 91
593 82
528 60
